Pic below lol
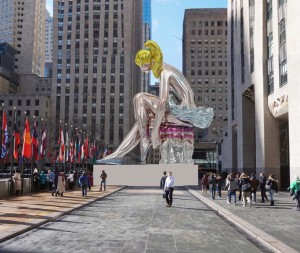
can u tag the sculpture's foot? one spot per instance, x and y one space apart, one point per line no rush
110 161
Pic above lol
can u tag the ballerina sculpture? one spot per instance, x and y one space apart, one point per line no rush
165 120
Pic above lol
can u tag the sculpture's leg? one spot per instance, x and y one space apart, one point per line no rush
144 104
130 141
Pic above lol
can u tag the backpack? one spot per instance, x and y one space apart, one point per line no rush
246 187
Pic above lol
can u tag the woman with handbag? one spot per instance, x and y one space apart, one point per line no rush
271 187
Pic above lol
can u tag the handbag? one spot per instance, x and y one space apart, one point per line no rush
268 186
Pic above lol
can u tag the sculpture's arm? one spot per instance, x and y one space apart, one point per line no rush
161 108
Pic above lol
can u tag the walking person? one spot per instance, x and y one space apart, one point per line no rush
295 191
43 180
71 180
212 184
238 175
272 187
55 182
61 185
36 180
83 181
262 186
103 177
162 183
204 183
254 182
17 182
232 187
50 179
219 185
90 181
169 188
246 189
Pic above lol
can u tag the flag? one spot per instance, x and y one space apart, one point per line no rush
26 150
61 143
17 141
86 148
71 151
4 136
35 142
82 151
43 144
78 155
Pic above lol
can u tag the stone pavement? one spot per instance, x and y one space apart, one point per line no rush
276 225
135 220
22 213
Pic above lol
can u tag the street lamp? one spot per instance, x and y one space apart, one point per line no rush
215 131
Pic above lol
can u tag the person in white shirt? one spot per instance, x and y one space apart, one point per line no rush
169 188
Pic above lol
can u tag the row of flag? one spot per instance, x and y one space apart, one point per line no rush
74 150
30 144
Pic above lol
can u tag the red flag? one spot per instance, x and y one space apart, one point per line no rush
17 141
26 151
61 142
86 148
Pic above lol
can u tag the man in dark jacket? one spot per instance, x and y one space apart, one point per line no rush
262 185
83 181
162 183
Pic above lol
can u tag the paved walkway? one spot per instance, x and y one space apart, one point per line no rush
281 222
135 220
22 213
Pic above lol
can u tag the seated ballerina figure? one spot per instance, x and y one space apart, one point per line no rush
175 106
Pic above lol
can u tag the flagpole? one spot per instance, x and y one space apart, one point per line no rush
12 152
66 147
32 151
82 160
22 172
1 121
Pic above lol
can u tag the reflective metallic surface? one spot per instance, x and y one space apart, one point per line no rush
175 107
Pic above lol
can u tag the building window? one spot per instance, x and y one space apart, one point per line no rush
28 102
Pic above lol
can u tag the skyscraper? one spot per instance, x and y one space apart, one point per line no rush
22 25
48 44
146 36
263 126
205 66
94 74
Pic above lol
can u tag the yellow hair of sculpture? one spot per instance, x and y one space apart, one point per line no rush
151 55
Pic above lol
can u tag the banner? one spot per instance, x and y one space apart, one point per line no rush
17 141
26 151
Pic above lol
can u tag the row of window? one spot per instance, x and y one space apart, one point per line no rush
206 64
206 81
19 102
208 32
199 24
199 72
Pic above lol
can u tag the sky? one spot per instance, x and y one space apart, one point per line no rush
167 21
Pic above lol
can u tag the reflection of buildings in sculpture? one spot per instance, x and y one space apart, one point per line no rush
263 128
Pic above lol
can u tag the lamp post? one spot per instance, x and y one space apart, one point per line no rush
12 154
215 131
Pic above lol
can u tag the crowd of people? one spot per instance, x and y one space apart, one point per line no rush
246 187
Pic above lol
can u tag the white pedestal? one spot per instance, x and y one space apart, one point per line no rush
146 175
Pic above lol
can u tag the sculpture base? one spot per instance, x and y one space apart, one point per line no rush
146 175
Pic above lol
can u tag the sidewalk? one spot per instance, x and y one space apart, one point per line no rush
277 227
23 213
